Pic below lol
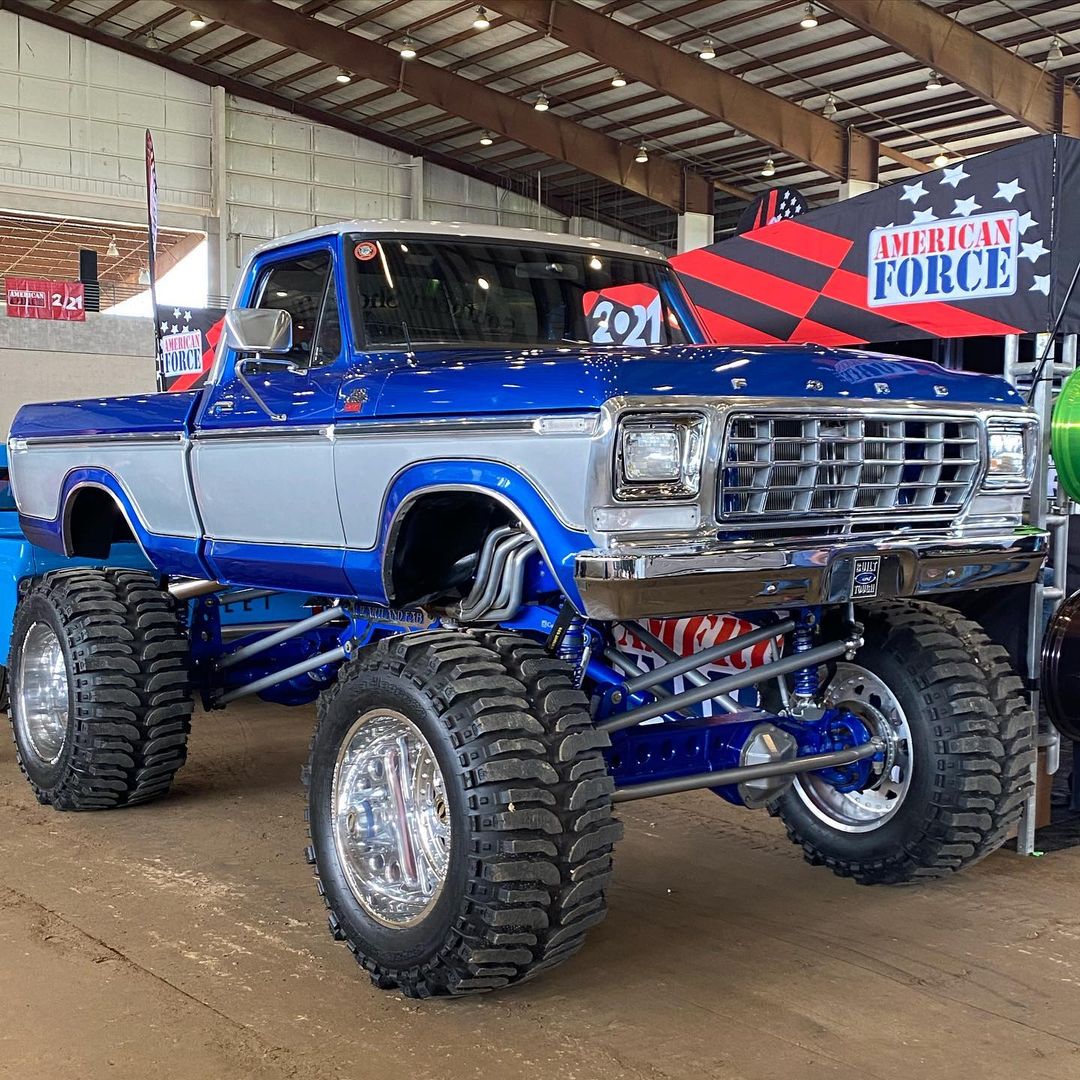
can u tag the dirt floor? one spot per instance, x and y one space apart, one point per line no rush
186 939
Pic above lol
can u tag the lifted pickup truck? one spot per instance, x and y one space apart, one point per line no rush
520 496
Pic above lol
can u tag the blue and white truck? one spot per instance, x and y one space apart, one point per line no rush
554 551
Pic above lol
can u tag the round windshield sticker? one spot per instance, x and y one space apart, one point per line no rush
366 250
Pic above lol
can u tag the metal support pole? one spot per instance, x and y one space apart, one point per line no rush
320 618
331 657
670 655
716 687
744 773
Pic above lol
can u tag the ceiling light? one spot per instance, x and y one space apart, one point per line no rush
708 49
618 79
809 19
486 139
768 169
112 250
1055 49
197 21
152 41
144 276
542 104
642 155
483 283
343 77
408 49
933 81
941 160
595 263
481 22
829 109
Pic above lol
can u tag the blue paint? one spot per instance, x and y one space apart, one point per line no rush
141 414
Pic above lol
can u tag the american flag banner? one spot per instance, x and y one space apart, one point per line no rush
685 636
984 246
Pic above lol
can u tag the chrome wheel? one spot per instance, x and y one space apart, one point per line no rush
391 819
869 698
40 698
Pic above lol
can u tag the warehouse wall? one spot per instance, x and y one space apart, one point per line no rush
53 361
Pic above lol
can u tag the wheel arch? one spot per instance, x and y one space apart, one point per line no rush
95 515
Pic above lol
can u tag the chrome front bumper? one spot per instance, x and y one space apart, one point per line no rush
637 580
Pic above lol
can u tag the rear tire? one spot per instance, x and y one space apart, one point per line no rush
971 751
526 829
99 694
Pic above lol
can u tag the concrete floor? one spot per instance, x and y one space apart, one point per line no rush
186 939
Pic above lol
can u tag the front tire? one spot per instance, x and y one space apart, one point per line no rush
962 745
459 810
99 694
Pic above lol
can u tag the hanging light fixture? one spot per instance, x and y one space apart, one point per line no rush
642 155
144 276
941 160
152 41
481 22
408 49
768 169
829 108
486 139
197 21
542 104
1054 52
809 19
112 251
933 81
707 50
618 79
343 77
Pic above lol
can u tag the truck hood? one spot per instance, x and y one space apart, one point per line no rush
571 379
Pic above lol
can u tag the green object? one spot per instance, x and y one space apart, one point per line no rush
1065 436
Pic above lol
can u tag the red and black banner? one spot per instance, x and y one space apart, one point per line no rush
187 341
986 246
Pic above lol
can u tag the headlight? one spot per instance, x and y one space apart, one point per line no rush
1011 448
659 457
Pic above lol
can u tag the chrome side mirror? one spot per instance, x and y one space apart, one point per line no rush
258 330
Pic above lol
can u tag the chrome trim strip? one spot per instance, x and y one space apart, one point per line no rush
151 437
638 580
479 425
281 431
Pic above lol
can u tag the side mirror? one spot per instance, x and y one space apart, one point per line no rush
258 330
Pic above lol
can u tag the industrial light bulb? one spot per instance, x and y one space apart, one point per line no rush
941 160
408 49
112 250
642 155
542 104
769 168
618 79
197 22
708 49
933 81
809 19
481 22
486 139
343 77
1055 49
830 106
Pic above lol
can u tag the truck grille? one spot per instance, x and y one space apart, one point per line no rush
847 467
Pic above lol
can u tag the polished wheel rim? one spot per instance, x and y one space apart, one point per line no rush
863 693
391 819
41 710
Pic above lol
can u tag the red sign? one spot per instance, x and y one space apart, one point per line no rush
32 298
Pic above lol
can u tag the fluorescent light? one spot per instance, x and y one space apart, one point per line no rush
1055 49
642 155
481 22
809 19
933 81
408 49
941 160
197 21
343 77
618 79
707 50
542 104
768 169
486 139
829 109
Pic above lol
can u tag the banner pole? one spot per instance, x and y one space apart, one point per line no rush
151 250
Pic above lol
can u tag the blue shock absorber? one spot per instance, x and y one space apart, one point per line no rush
574 647
802 639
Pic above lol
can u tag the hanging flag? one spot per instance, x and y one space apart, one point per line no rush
151 247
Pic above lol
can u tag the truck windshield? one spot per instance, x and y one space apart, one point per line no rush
414 292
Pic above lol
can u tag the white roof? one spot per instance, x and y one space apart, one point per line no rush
383 226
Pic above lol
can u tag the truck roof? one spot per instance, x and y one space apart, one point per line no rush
384 226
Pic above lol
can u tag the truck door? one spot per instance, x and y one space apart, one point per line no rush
264 477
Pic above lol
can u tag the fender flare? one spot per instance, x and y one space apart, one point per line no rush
102 480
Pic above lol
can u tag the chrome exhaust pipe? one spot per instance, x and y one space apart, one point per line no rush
190 588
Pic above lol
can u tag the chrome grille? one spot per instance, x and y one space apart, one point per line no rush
846 466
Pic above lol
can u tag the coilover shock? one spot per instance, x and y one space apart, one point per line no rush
805 682
574 647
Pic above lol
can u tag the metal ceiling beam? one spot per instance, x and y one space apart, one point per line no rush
1017 87
659 179
842 153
